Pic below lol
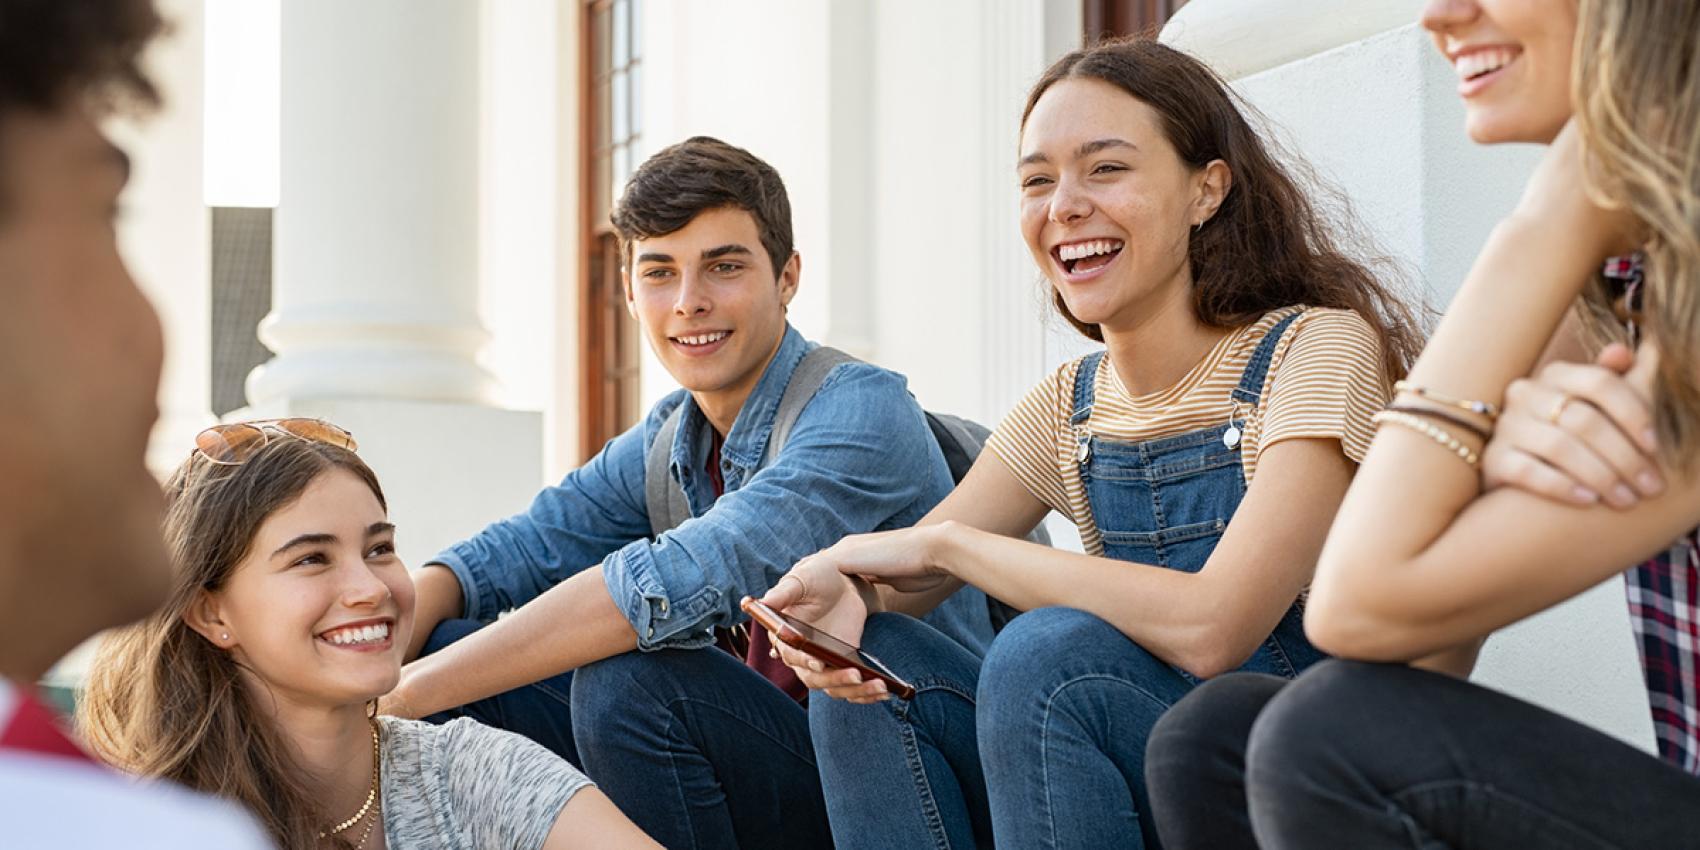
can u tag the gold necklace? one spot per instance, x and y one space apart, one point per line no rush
377 815
371 795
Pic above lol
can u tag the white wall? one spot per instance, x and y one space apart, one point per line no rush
528 227
752 73
520 97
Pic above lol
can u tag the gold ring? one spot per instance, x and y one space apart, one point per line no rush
800 583
1558 408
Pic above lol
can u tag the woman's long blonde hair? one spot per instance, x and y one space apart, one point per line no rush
163 701
1637 95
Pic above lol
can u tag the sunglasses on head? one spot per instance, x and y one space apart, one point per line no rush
236 442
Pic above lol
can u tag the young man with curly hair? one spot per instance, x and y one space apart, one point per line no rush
80 355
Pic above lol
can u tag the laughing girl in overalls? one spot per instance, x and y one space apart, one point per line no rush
1202 456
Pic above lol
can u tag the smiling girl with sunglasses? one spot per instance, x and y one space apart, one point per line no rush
287 621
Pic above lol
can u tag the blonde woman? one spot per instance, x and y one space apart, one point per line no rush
1422 565
287 620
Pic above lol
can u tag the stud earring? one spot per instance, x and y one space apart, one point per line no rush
224 636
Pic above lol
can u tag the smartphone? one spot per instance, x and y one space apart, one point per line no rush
831 651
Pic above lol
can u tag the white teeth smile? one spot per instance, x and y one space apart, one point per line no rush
703 339
1472 65
1079 250
375 633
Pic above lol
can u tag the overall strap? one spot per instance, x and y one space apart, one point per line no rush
1250 389
664 497
1085 383
806 380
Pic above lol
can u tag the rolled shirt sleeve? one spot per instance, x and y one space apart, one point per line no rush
569 527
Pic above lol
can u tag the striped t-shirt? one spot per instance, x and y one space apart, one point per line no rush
1325 381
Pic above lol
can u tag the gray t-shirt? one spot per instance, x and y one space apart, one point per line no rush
465 785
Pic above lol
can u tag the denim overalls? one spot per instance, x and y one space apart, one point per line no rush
1166 502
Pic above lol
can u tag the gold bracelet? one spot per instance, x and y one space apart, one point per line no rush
1432 431
1480 408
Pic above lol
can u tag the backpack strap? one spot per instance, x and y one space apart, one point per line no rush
1250 390
806 380
664 496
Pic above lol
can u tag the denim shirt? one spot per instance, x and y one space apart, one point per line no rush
860 458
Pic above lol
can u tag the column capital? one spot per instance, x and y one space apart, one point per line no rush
1242 37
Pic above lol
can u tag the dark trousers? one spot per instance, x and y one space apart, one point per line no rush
1384 756
697 749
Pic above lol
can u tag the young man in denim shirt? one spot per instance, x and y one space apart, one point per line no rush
612 646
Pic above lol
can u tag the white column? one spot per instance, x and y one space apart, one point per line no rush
375 304
1357 89
376 287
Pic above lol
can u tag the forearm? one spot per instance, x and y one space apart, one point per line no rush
438 597
1408 489
1177 616
570 625
990 499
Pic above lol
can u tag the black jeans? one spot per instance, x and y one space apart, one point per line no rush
1357 755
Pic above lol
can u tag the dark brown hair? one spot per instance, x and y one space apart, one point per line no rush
52 50
700 174
163 701
1268 246
55 52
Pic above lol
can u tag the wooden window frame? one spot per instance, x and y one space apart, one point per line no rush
1103 19
608 338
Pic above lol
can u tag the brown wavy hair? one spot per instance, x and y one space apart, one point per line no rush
1637 93
1268 246
163 701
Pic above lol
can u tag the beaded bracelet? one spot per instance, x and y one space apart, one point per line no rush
1430 430
1480 408
1449 418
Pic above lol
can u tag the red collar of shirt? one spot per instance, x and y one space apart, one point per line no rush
29 726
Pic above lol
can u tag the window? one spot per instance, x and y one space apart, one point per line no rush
241 297
1110 18
611 126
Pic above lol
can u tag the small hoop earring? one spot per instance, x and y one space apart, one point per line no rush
1196 226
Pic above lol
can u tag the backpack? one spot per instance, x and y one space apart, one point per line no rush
960 439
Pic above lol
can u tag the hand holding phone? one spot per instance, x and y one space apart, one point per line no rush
829 650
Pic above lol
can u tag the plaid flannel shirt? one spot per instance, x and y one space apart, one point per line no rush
1664 602
1664 607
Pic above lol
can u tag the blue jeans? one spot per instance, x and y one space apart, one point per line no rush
697 749
1066 703
906 774
540 711
1044 743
